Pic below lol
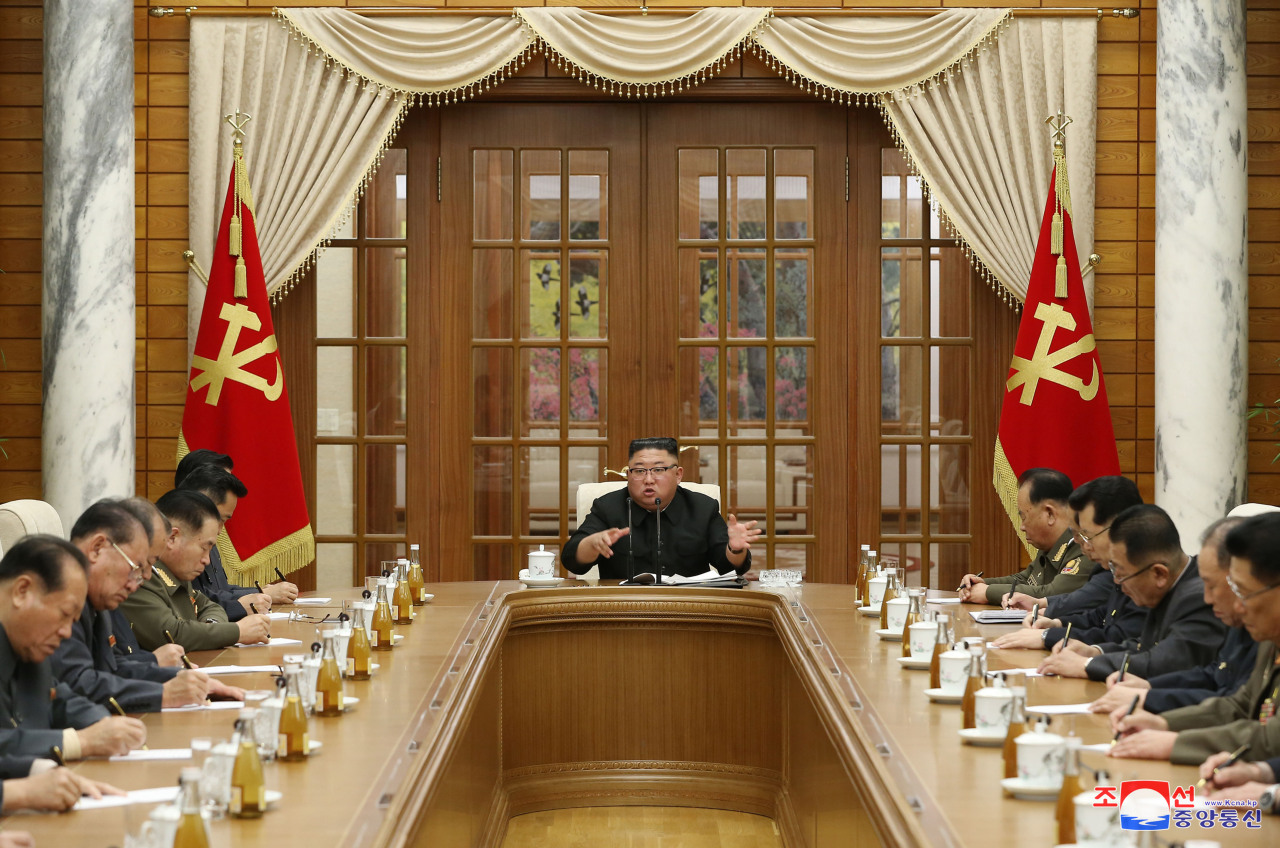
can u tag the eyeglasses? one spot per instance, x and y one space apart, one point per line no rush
1121 580
656 471
1239 593
1085 537
135 570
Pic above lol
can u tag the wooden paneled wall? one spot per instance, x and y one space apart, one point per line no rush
1125 227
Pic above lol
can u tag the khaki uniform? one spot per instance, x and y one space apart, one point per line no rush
1224 724
167 603
1061 569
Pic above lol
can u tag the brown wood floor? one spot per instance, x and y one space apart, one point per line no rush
641 827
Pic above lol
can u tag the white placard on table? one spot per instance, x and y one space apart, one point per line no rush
313 601
153 754
1060 709
213 705
240 669
272 642
159 795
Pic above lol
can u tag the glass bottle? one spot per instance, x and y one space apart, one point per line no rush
295 737
862 575
383 631
915 612
192 831
890 592
329 680
417 580
973 684
248 789
1017 726
358 651
940 646
1070 789
403 595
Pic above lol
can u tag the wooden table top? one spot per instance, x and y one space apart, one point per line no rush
338 797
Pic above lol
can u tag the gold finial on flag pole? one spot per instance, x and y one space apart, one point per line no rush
242 197
1062 191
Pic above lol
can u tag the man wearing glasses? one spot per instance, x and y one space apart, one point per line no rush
1246 717
110 536
621 533
1149 565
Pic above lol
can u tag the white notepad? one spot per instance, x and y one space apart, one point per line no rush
153 754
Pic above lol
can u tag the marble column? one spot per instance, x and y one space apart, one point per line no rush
88 253
1201 262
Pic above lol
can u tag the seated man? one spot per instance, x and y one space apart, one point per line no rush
126 647
1098 611
694 536
1228 671
213 582
1244 781
1148 563
1191 734
166 605
1061 566
115 545
42 590
28 783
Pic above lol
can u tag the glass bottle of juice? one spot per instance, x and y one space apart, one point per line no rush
403 596
1066 811
417 580
973 684
248 789
192 831
940 646
358 651
862 575
1017 726
295 736
890 592
915 611
383 631
329 680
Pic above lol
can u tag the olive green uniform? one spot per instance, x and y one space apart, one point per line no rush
1246 716
167 603
1061 569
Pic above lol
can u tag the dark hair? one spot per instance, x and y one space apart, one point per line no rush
197 458
112 517
42 555
1110 496
1257 539
146 512
214 481
1146 530
188 508
662 443
1216 534
1046 484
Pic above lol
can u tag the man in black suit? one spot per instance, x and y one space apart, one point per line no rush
1181 631
620 534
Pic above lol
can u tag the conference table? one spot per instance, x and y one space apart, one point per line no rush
503 700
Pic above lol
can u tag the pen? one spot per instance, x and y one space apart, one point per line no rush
281 576
1132 707
1124 666
186 662
258 586
115 705
1228 763
1007 602
1066 637
979 574
57 755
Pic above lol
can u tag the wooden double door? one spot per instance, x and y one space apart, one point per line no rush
606 271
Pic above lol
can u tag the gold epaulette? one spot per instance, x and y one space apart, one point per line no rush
164 576
1062 550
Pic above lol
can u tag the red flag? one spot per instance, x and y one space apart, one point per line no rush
1055 412
237 403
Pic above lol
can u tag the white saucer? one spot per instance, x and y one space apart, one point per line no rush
875 610
347 703
985 738
314 746
917 663
273 796
937 696
397 638
429 598
373 666
889 635
541 582
1019 789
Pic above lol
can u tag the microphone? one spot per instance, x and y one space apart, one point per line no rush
657 548
631 548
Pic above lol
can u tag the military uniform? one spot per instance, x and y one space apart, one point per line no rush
36 711
87 663
1061 569
1247 716
166 603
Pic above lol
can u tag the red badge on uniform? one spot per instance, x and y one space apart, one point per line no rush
111 640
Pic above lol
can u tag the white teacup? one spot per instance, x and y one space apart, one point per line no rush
921 637
953 671
1041 757
1098 827
542 564
875 590
992 707
897 616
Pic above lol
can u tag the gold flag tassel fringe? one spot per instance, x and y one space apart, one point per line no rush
1061 201
241 198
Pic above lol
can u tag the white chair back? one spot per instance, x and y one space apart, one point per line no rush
24 517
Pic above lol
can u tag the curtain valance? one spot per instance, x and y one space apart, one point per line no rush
964 92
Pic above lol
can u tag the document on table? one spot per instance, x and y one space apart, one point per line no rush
278 616
153 754
942 600
1029 672
1060 709
159 795
999 616
240 669
272 642
212 705
313 601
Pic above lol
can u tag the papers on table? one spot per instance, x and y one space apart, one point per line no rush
942 600
999 616
159 795
278 616
648 578
272 642
1060 709
1029 672
153 754
313 601
240 669
213 705
1097 748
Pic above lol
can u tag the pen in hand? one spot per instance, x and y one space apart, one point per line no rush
1124 666
185 662
1227 763
115 705
1066 637
962 586
1133 706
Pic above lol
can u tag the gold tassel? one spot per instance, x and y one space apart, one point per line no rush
242 279
235 235
1055 234
1060 279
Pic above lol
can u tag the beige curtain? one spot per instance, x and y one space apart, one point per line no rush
981 143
